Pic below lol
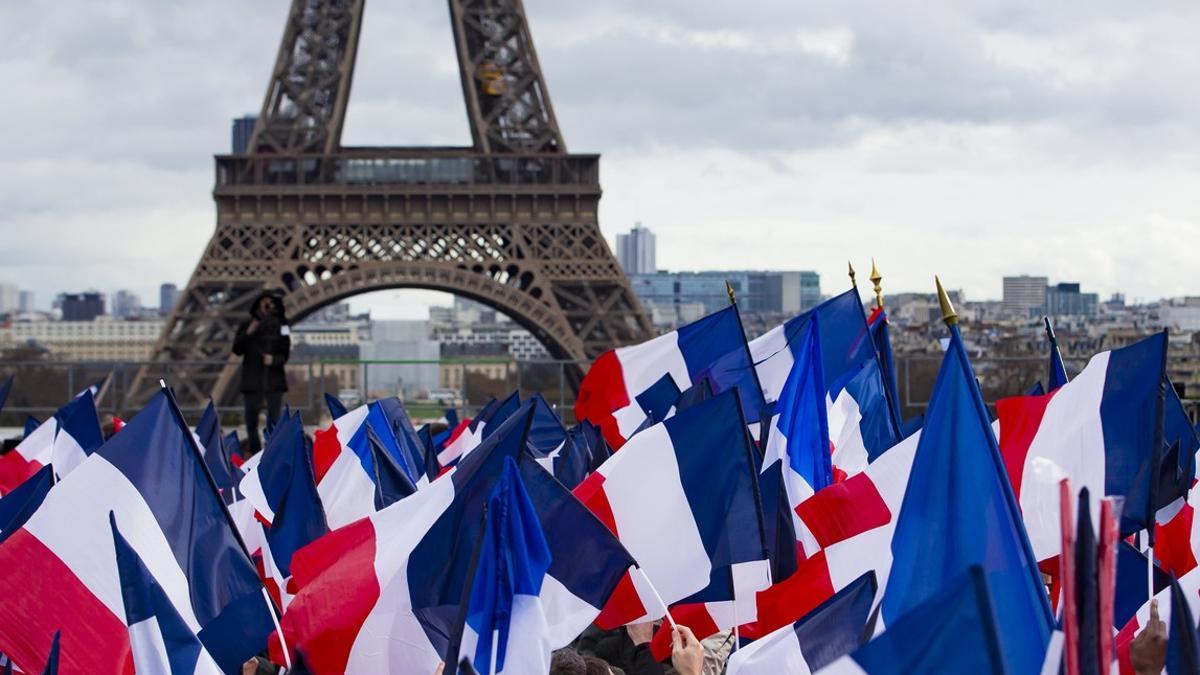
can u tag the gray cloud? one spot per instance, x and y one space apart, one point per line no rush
976 137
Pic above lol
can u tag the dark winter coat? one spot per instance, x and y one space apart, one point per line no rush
270 337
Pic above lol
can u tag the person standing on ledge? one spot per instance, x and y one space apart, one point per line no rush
264 343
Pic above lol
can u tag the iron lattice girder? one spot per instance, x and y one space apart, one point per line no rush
511 221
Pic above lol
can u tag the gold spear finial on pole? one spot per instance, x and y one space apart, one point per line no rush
876 277
850 267
948 313
729 290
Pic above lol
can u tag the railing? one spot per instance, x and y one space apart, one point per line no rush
408 168
42 386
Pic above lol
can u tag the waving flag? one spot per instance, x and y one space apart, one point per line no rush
957 489
400 575
159 639
832 630
700 465
65 440
154 480
283 491
881 335
209 433
952 631
713 348
799 435
505 613
861 423
1103 430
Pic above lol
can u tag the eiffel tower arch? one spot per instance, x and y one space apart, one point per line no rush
510 221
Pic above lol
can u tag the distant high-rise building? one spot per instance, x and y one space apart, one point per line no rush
168 295
1065 299
26 301
9 297
635 251
679 297
126 304
1024 295
243 129
81 306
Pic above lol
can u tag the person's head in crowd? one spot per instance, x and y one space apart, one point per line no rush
567 661
596 666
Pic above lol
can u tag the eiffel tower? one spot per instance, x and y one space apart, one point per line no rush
510 221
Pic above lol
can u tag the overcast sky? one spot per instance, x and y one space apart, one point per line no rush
970 138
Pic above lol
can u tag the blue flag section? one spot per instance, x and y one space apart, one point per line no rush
959 511
391 482
955 630
215 458
1131 592
1057 375
286 474
51 659
1183 644
803 426
335 405
507 581
17 506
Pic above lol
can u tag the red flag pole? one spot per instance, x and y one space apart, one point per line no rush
1066 560
1109 540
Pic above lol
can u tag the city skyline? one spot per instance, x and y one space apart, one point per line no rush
973 144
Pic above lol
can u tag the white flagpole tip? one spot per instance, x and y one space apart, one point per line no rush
162 384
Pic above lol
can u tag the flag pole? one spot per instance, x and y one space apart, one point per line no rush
287 655
650 585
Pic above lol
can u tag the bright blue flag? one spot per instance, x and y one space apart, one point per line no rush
513 561
959 511
801 433
406 435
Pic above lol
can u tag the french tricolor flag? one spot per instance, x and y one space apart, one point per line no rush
835 628
861 422
692 476
713 348
1103 430
61 574
397 578
65 440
